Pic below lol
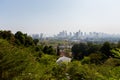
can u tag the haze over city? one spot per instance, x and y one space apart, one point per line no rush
53 16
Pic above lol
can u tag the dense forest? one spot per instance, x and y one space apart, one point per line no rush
22 58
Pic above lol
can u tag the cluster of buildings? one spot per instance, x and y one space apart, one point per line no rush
80 36
38 36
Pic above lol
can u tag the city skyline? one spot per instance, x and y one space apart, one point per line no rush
79 36
67 34
52 16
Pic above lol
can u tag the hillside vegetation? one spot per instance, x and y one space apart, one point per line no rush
20 60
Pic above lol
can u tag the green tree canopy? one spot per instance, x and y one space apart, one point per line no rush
20 37
79 50
106 47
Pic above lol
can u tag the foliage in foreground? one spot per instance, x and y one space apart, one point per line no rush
21 63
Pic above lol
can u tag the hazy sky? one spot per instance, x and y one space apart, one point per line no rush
52 16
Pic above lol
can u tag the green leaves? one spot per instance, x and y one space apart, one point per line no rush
116 52
24 63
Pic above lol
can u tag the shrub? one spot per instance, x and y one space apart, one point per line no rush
112 62
86 60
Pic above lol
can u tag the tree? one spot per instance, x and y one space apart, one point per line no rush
58 50
23 39
93 48
116 53
118 44
79 50
96 58
49 50
28 41
8 36
35 41
45 49
20 37
106 49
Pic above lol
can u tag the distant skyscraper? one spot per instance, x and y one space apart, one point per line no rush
70 34
35 36
41 35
